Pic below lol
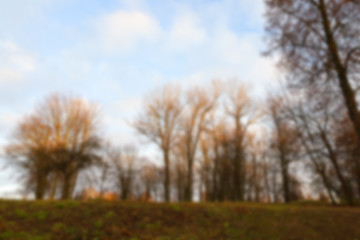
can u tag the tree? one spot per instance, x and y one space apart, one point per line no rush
224 153
124 163
243 113
284 143
158 122
31 150
347 143
313 119
320 121
179 169
257 177
59 137
150 178
199 103
319 42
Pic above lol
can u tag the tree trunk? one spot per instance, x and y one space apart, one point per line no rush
73 183
327 185
285 179
266 183
40 186
124 193
167 175
333 158
215 174
239 171
318 168
54 187
345 86
180 188
358 175
255 179
189 180
66 187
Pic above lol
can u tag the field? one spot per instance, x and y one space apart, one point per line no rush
40 220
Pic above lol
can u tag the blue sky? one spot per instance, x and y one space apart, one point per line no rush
113 52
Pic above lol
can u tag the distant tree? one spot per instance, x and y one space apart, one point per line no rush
158 122
206 168
199 103
221 139
102 174
284 143
150 179
257 175
179 170
30 148
224 145
59 137
243 112
124 163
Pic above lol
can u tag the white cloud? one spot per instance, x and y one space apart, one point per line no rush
228 55
9 76
19 12
7 121
128 106
198 78
125 30
232 48
15 62
22 61
118 116
187 30
254 10
242 12
122 30
240 54
134 4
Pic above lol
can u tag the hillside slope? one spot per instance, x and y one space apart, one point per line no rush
127 220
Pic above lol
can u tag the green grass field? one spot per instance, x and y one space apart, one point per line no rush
129 220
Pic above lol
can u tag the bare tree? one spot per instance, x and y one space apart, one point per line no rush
150 178
243 112
60 136
257 168
320 121
319 42
158 122
199 104
206 165
30 148
348 151
123 162
101 175
284 143
223 159
311 122
179 170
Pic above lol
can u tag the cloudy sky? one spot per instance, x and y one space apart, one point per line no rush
113 52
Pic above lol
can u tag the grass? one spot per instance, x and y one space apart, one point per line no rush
45 220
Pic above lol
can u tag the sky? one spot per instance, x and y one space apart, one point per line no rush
114 52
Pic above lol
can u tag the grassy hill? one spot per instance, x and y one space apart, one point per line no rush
127 220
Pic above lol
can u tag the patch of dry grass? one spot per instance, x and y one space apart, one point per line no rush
41 220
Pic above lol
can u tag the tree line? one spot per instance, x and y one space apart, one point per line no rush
218 143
